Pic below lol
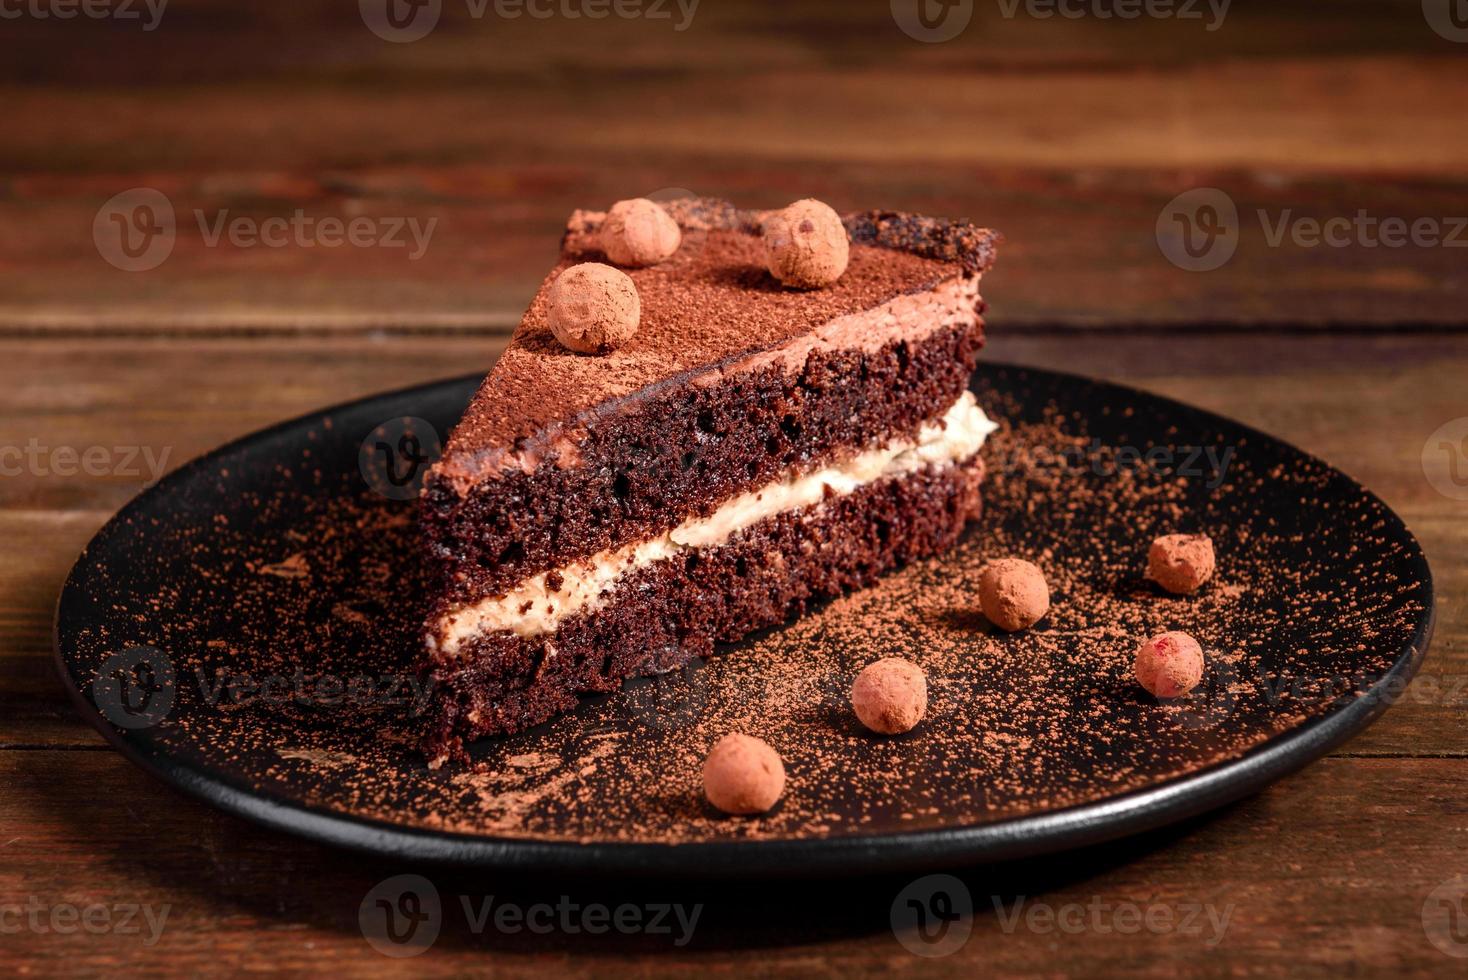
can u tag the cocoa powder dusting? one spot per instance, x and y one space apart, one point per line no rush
329 601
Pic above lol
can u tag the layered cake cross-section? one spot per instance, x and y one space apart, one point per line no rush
751 448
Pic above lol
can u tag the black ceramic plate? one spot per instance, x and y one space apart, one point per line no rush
244 631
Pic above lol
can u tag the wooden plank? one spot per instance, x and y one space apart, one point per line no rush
1082 248
1323 873
1070 135
1277 87
1364 403
320 42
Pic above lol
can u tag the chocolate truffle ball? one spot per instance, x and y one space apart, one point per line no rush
1013 594
743 775
593 308
1169 665
806 245
890 696
638 233
1180 563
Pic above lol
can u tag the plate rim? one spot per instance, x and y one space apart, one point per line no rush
1099 821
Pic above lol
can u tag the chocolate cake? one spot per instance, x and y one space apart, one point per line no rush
751 449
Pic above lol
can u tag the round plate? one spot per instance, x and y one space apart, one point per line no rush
246 630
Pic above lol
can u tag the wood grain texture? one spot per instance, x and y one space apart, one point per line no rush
1324 873
1069 135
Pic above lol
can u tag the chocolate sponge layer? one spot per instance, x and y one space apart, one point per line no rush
664 615
685 450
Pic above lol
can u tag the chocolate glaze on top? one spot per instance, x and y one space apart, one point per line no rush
712 303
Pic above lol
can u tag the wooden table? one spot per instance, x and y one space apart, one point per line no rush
1071 135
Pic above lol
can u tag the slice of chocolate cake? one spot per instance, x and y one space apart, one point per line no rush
748 449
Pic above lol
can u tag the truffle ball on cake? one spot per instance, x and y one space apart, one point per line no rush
806 245
593 308
638 232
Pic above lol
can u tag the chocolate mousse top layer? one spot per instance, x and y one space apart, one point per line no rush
712 303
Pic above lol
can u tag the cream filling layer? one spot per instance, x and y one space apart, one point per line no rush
533 609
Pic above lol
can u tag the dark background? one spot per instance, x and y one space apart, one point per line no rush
1071 135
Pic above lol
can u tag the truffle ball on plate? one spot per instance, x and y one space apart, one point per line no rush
593 308
743 775
1013 594
1169 665
806 245
890 696
1181 563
